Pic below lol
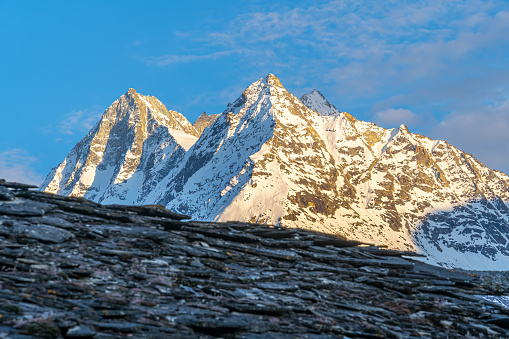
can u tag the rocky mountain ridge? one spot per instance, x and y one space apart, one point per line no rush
204 121
268 158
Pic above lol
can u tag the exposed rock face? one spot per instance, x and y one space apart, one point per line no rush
204 121
268 158
116 271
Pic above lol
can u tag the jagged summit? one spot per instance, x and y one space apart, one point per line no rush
273 80
204 121
317 102
158 111
404 128
272 158
262 86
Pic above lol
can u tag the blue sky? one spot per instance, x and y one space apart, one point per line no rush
441 67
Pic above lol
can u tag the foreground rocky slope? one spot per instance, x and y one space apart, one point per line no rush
73 268
272 158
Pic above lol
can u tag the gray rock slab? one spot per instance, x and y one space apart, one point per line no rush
120 326
80 331
22 210
17 185
52 221
43 233
5 194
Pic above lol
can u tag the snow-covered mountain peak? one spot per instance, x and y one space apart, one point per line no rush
317 102
272 158
267 86
264 99
156 110
134 133
263 85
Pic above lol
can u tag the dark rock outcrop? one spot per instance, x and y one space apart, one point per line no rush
73 268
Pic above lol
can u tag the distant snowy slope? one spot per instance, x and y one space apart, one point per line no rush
317 102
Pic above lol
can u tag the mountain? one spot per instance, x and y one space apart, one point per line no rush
204 121
316 101
269 158
125 152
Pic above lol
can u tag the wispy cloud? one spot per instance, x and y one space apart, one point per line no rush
425 62
363 44
395 61
81 121
392 117
483 133
75 122
16 164
169 59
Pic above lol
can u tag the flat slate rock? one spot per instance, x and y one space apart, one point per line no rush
72 268
43 233
22 210
150 210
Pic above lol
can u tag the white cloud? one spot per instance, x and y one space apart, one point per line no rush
170 59
483 133
74 122
454 58
81 121
362 44
16 165
395 117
